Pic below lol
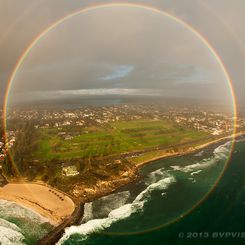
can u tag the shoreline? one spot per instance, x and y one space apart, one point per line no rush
64 220
46 201
55 236
190 150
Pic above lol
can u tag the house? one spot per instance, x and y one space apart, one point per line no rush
118 161
68 137
70 171
61 133
217 132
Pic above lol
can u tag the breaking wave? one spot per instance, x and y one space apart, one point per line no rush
10 233
101 207
220 153
155 176
8 208
160 185
27 223
196 172
10 237
120 206
117 214
199 154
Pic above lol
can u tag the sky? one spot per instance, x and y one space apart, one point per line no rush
122 51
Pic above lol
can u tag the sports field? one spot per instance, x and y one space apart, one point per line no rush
76 142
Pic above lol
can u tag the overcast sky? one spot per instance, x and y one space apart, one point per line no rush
124 51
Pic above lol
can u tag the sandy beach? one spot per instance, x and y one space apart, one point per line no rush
48 202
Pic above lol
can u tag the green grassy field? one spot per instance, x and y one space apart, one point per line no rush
117 138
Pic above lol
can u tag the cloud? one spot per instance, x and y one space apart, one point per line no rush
116 48
119 72
93 92
84 93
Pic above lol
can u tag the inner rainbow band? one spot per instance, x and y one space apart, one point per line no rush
137 6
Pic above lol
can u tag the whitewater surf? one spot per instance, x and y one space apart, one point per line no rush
167 189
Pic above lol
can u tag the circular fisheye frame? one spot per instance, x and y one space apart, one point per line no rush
121 116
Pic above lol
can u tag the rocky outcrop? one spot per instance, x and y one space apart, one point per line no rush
103 187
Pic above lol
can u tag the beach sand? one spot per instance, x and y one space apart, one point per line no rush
48 202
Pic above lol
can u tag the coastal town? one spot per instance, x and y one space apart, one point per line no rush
213 123
208 121
73 156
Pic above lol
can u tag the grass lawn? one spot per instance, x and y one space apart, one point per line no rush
117 138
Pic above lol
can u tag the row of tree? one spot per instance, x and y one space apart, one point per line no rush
20 154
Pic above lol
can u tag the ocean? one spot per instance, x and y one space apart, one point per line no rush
19 225
160 208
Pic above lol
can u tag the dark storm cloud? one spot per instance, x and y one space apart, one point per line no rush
88 51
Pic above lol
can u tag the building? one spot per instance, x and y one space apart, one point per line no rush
118 161
70 171
68 137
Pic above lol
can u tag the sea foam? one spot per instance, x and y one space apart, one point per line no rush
219 153
8 208
29 222
101 207
157 180
155 176
10 234
117 214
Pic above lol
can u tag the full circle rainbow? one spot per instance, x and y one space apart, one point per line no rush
136 6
